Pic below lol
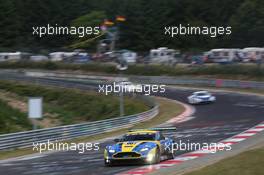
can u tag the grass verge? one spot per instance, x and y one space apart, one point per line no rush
69 106
247 163
12 120
168 110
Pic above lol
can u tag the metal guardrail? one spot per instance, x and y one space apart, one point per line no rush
168 80
95 79
27 138
198 82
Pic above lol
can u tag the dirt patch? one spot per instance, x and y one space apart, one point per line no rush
13 100
19 103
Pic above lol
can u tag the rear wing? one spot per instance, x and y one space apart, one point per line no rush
155 129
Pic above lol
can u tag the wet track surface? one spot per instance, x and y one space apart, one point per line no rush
231 114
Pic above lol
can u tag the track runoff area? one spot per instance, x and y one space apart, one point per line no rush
231 119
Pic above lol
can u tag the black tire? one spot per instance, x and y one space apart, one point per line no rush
170 152
170 156
157 156
108 164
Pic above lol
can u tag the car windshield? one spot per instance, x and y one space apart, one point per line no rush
136 137
201 94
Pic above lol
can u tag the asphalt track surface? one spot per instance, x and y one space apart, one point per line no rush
231 114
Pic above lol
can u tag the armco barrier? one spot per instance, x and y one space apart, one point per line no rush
27 138
198 82
95 79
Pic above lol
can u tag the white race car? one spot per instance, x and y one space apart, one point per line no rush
201 97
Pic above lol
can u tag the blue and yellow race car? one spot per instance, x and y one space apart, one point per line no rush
144 146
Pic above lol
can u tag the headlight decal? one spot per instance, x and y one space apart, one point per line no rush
111 151
144 146
145 149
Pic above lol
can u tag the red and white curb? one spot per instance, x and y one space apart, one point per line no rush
183 117
196 154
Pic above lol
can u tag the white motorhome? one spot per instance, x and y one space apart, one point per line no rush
4 56
253 53
13 56
60 56
224 55
129 56
38 58
163 55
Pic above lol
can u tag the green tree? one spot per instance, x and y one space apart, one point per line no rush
9 24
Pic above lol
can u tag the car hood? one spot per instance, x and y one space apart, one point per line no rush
133 146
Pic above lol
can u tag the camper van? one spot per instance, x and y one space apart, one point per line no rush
38 58
163 55
14 56
129 56
61 56
224 55
253 53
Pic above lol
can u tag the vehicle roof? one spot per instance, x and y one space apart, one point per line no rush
253 49
198 92
224 49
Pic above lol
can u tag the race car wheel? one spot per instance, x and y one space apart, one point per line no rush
109 163
157 156
170 156
170 152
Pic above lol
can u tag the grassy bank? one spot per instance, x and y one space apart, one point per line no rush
247 163
69 106
235 71
12 120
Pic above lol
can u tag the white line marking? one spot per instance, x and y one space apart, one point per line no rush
234 140
185 158
246 134
32 157
203 151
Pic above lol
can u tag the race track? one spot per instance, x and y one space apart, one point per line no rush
231 114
